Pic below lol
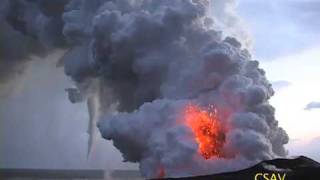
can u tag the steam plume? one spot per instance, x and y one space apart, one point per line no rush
149 60
28 27
155 57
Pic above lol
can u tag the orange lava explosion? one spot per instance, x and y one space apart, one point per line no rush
207 130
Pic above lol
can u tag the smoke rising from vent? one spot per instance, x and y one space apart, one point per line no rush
149 60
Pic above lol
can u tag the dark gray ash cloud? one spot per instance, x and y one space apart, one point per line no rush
141 62
28 28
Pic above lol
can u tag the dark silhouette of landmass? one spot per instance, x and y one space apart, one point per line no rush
300 168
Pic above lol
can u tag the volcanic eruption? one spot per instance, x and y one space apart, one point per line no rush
167 84
206 129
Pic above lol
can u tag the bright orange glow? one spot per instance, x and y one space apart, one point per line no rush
207 130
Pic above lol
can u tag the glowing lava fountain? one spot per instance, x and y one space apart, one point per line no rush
207 130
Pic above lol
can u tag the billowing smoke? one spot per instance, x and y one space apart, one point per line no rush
149 60
28 27
226 19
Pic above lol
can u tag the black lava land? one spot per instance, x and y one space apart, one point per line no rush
300 168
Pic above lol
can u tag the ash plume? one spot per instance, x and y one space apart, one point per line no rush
227 20
155 57
28 27
139 63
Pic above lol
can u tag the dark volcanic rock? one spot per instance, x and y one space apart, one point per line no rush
300 168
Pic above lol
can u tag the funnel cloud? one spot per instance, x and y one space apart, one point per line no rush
139 63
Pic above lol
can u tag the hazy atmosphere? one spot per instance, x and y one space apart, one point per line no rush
285 37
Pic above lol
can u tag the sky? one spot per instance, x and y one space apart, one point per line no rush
285 36
40 128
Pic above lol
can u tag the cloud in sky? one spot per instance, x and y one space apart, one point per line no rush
40 128
312 105
305 12
285 35
280 28
281 84
301 69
